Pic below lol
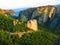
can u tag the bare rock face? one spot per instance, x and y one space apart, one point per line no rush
51 12
32 24
45 15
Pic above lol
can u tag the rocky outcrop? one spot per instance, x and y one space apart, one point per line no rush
32 24
8 13
46 16
16 22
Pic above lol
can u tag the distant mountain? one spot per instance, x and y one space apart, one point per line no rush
17 10
57 5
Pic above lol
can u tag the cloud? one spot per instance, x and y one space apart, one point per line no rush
8 4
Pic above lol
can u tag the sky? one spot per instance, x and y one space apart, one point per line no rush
11 4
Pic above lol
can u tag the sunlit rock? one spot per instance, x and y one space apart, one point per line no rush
32 24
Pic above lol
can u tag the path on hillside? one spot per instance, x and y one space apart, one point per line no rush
19 33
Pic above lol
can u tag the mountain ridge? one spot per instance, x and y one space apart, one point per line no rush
46 15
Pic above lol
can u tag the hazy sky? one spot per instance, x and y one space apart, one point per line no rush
9 4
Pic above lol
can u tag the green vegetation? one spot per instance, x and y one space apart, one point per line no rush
20 27
38 38
6 23
8 39
47 29
57 31
34 38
